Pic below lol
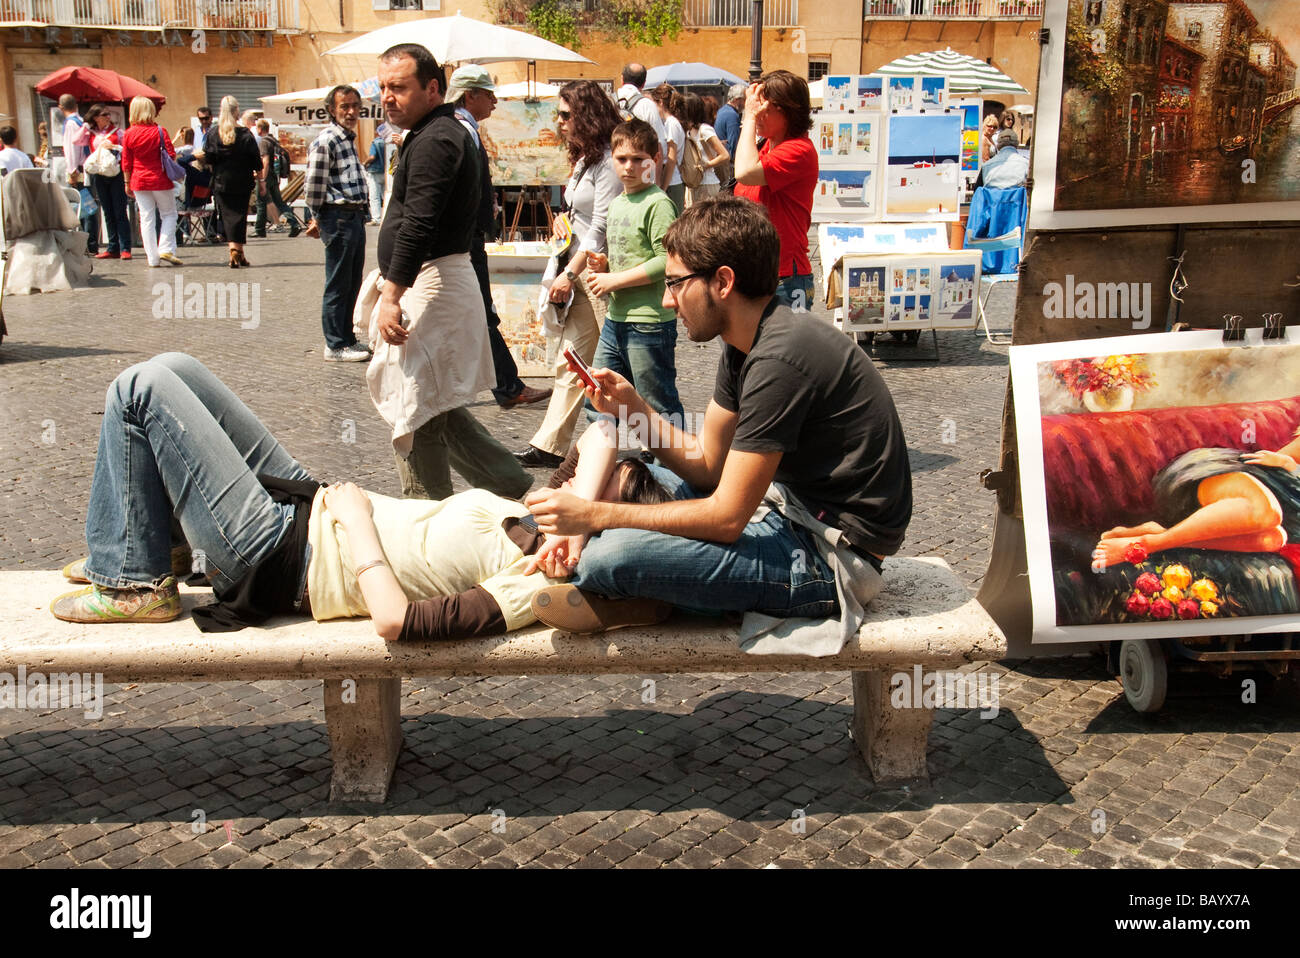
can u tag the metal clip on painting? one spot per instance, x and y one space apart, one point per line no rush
1274 328
1233 331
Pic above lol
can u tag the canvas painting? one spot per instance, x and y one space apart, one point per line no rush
522 145
838 91
515 297
870 93
864 296
957 288
932 92
905 312
846 140
1159 112
924 175
902 94
1160 485
841 192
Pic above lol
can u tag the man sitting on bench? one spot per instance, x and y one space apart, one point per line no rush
795 403
178 448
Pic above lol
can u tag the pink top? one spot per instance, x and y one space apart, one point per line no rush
140 160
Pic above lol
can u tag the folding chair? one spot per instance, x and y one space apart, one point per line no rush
195 220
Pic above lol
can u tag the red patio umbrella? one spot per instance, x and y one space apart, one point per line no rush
96 85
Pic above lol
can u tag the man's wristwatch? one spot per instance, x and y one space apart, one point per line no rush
570 275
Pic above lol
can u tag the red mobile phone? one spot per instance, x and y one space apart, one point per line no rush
580 367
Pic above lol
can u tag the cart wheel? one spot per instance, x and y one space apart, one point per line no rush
1144 673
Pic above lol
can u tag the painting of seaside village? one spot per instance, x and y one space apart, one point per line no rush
1180 105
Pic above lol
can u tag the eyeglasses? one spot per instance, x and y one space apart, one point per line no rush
563 114
672 284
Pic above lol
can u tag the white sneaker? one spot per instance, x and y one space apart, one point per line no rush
348 354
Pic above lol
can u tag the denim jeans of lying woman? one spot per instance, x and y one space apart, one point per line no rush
176 442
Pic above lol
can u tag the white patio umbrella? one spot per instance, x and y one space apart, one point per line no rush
522 89
965 74
308 106
459 39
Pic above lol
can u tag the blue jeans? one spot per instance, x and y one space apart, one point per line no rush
111 192
773 567
796 292
176 441
643 353
344 233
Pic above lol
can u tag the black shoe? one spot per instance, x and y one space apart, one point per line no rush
294 231
534 458
260 235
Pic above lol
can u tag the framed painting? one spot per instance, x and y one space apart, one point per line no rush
1160 485
1153 112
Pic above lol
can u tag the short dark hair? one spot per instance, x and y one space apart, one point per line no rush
634 73
67 102
637 132
332 98
729 231
93 112
426 65
8 135
203 111
639 484
789 94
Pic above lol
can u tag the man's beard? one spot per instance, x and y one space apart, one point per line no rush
711 325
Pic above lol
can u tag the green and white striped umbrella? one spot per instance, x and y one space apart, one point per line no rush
965 74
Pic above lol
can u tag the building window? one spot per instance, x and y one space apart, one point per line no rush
1094 12
406 4
1194 30
818 68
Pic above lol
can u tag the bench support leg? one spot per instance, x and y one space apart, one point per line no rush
365 725
891 740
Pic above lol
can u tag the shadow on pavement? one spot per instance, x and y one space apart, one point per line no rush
20 352
748 755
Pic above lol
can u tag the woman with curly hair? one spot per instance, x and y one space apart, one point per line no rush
586 118
782 175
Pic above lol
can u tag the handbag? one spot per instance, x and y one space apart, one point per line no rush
175 172
102 162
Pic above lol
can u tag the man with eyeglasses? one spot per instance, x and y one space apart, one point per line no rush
791 494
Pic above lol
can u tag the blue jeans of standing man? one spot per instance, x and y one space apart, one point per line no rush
175 441
796 292
343 232
773 567
644 354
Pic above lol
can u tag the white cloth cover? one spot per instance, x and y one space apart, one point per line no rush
47 261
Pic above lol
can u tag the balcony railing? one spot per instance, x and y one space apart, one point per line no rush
738 13
278 15
954 9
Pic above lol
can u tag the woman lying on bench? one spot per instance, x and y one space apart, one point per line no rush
177 444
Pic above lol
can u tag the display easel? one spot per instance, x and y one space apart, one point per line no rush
533 197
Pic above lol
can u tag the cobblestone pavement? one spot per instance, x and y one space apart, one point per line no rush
740 770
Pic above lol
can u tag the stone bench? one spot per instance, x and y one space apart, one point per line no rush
924 617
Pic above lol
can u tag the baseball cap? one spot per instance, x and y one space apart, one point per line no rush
472 76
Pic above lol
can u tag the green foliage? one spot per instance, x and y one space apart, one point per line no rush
629 22
647 22
557 21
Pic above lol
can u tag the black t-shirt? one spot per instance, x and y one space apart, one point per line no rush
806 390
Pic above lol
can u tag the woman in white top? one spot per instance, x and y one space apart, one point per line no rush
586 118
666 98
713 152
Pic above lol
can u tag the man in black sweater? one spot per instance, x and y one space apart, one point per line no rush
432 355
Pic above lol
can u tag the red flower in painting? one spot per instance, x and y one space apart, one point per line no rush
1138 604
1136 553
1162 609
1149 583
1189 609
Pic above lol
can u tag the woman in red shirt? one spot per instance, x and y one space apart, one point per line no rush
153 189
782 175
108 191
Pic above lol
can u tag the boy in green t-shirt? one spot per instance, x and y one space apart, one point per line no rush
639 337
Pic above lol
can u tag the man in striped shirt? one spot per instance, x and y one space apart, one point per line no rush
336 192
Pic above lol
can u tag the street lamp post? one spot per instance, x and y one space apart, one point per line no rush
756 41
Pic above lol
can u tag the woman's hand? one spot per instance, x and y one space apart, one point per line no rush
348 504
557 556
755 100
561 288
1265 457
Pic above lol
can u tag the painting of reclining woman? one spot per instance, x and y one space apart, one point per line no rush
1161 486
